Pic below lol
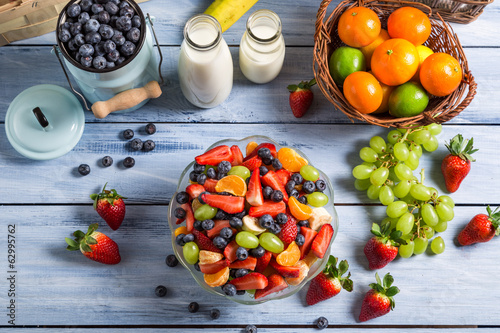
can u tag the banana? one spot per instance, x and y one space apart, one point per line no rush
227 12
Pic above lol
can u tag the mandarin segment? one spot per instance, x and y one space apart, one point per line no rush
298 210
291 160
181 230
250 147
290 256
233 184
217 279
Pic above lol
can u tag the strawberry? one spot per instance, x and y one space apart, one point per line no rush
254 152
249 263
194 190
329 282
322 240
218 226
379 300
383 247
283 175
230 251
268 207
285 271
456 165
95 245
272 180
263 262
309 235
275 283
110 206
252 163
301 97
215 267
229 204
215 155
237 155
481 228
203 242
189 216
250 281
254 189
210 184
289 230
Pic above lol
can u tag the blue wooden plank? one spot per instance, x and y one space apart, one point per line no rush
263 330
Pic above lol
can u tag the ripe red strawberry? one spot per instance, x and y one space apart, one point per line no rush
230 251
272 180
383 247
95 245
301 97
229 204
110 206
309 235
203 242
210 185
250 281
289 230
215 155
218 226
329 282
252 163
237 155
481 228
322 240
379 300
249 263
283 175
254 152
285 271
214 267
254 192
268 207
263 262
189 216
456 165
194 190
275 283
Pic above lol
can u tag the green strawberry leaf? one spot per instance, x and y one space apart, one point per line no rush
392 291
79 234
347 283
376 230
91 240
85 247
388 280
377 277
343 267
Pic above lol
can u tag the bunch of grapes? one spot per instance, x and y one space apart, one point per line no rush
386 174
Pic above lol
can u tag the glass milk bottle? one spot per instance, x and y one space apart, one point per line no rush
262 47
205 63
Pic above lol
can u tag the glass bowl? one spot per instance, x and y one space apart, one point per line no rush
247 298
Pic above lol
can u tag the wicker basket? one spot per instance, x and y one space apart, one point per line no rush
458 11
442 39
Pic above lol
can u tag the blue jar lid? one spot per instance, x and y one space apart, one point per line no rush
44 122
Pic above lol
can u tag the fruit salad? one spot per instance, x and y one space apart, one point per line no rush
252 221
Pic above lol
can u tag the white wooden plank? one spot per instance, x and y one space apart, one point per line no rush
58 287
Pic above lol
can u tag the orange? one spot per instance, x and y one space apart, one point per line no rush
303 271
299 210
291 160
386 93
251 146
233 184
290 256
358 26
368 50
395 61
409 23
363 92
423 53
440 74
217 279
181 230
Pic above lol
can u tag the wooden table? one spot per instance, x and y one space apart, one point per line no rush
47 200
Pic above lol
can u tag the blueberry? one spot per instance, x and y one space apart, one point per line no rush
221 215
128 162
200 197
201 179
122 4
150 128
221 175
77 56
180 213
103 17
266 221
111 8
106 32
322 323
229 289
86 5
281 218
75 28
136 144
66 25
320 185
224 167
264 153
110 64
241 272
72 45
193 175
127 48
95 17
214 314
290 185
297 178
99 62
134 35
92 37
241 214
294 193
92 25
79 40
128 134
84 169
219 242
189 238
123 23
112 56
120 60
107 161
109 46
208 224
97 8
277 164
74 10
161 291
182 197
86 61
171 260
308 187
303 223
99 49
240 292
197 267
211 173
197 225
193 307
179 239
251 329
136 21
267 160
302 199
241 253
127 11
226 233
277 196
258 252
267 192
83 18
112 20
119 40
275 228
300 239
263 170
235 222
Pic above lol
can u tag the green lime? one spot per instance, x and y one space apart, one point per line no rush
344 61
408 100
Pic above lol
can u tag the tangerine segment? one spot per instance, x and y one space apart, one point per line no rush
304 270
250 147
217 279
290 256
358 26
440 74
233 184
291 160
181 230
409 23
363 92
299 210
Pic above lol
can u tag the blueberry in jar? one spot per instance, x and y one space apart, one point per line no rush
92 25
83 18
119 40
92 37
128 48
99 49
109 46
86 50
120 61
111 8
106 31
64 35
86 61
74 10
122 4
75 28
72 45
136 21
134 35
86 5
103 17
99 62
97 8
127 11
123 23
112 56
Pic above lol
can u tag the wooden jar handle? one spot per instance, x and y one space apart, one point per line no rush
126 99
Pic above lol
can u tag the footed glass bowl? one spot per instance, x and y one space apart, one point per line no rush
248 298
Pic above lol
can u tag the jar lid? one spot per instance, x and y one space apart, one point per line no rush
44 122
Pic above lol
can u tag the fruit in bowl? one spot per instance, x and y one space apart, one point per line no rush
252 226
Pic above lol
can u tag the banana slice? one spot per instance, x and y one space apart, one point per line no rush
251 224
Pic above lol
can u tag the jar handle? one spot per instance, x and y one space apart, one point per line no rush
126 99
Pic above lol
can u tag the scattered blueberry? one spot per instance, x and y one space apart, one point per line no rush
226 233
281 218
107 161
251 329
267 192
201 179
86 61
300 239
308 187
235 222
118 39
179 240
320 185
64 35
128 162
150 145
193 307
275 228
277 164
84 169
92 25
127 11
241 253
128 134
290 185
277 196
74 10
112 56
86 50
151 129
161 291
214 313
302 199
263 170
75 28
171 260
297 178
258 252
136 144
111 8
241 272
123 23
103 17
127 48
182 198
229 289
179 213
97 8
219 242
322 323
303 223
208 224
99 62
188 238
264 153
211 173
136 21
266 221
224 167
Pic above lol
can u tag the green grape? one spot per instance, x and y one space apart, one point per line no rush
317 199
405 223
403 172
420 245
420 192
434 128
386 196
240 170
373 192
308 172
437 245
416 148
270 242
422 136
362 184
378 144
190 251
396 208
390 148
434 192
402 189
441 226
401 151
379 176
247 239
409 200
446 200
362 171
406 250
412 160
444 212
392 175
391 220
394 136
205 212
429 214
431 145
402 130
367 154
428 231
